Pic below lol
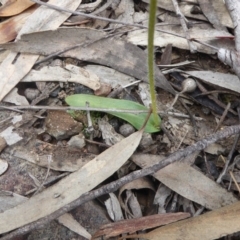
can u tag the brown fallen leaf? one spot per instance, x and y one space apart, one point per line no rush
212 225
13 7
64 192
137 224
10 28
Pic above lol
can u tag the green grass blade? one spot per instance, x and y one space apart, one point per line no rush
136 119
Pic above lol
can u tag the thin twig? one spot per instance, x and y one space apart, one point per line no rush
223 116
234 180
40 187
183 20
46 183
229 158
115 185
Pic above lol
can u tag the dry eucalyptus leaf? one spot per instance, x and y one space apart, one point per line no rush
68 221
70 73
15 98
207 35
212 225
120 55
13 7
89 7
217 79
110 76
113 208
217 13
188 182
10 199
124 12
64 192
15 66
161 196
10 28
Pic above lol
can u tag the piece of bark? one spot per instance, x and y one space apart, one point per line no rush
137 224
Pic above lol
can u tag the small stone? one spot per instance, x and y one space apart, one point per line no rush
55 93
41 86
206 110
61 125
104 90
126 130
77 141
146 141
196 10
46 138
93 148
31 93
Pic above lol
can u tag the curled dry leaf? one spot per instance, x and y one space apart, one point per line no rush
131 202
13 7
113 208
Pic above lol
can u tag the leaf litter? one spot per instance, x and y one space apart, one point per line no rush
99 59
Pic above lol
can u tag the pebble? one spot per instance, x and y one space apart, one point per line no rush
61 125
77 141
31 93
126 130
146 141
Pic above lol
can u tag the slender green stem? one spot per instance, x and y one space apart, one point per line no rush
151 26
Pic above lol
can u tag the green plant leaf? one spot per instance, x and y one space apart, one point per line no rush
136 119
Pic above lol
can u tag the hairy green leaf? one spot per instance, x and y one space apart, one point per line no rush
136 119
